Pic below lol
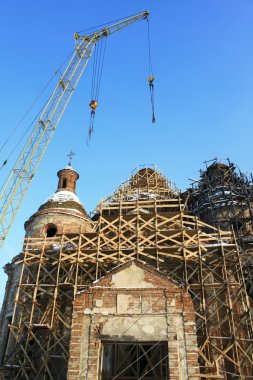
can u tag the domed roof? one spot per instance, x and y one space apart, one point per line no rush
62 212
64 199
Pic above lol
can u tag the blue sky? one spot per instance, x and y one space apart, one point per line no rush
202 53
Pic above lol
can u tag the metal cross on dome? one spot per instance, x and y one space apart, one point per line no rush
70 155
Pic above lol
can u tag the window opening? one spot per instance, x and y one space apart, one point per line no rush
131 361
64 183
50 230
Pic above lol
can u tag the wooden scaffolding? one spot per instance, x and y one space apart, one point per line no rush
144 219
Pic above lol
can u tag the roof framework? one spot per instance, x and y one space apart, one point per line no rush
145 219
223 196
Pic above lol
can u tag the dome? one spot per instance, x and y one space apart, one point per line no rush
64 199
62 212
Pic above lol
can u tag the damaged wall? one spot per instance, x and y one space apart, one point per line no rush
133 303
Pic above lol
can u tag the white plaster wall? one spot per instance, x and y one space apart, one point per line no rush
145 328
132 277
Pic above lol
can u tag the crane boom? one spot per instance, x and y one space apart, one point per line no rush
27 163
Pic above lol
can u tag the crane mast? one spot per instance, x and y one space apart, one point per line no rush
28 161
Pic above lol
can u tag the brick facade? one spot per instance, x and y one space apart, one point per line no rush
134 302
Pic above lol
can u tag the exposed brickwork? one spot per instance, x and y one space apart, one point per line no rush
67 179
66 222
68 216
99 311
133 301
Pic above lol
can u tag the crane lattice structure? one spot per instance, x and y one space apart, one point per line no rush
27 163
145 219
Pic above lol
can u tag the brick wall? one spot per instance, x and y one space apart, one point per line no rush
158 310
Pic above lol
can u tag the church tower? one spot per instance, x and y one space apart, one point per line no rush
62 212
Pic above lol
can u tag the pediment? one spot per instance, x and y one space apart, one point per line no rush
135 274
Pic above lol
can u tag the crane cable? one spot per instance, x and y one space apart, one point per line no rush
100 26
151 76
98 64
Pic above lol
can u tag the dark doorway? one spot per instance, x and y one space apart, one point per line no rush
133 361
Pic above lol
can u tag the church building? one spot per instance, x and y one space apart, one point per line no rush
155 284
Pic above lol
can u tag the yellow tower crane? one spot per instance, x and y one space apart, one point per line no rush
28 161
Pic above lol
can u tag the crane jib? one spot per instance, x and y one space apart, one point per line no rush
17 183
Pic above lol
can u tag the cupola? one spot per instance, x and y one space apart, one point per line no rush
67 179
62 212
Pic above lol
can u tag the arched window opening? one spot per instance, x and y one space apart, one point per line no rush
64 183
50 230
